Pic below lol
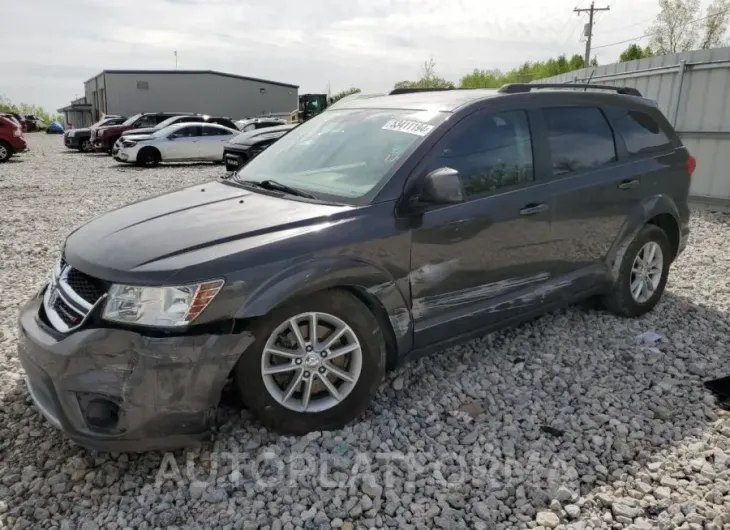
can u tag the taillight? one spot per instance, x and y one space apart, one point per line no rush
18 132
691 165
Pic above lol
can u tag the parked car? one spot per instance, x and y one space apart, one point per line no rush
183 142
81 138
103 138
245 146
21 120
34 123
55 128
12 137
197 118
251 124
389 228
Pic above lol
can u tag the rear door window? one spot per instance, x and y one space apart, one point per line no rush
580 138
641 133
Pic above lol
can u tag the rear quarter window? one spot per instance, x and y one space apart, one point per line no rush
642 133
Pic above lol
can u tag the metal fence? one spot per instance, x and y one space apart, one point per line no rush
692 89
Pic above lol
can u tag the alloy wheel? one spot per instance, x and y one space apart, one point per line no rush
311 362
646 272
3 152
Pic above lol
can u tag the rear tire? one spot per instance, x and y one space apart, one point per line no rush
316 402
148 157
5 151
641 278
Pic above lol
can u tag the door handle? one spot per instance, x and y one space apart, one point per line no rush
532 209
628 184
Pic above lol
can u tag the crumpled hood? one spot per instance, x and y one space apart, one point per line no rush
137 137
146 241
148 130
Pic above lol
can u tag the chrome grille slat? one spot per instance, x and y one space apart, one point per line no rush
70 297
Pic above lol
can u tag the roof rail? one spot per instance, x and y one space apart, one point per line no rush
518 88
397 91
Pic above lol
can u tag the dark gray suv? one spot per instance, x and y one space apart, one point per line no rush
377 231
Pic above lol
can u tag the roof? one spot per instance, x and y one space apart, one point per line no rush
445 101
178 72
75 107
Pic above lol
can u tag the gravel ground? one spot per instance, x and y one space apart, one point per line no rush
576 420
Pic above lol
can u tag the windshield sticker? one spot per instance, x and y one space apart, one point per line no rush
408 126
395 154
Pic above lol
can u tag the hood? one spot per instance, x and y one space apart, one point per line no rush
149 241
113 128
86 129
250 137
137 137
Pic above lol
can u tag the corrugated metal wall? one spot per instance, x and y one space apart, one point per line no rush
692 89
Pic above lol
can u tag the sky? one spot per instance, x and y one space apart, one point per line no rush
316 44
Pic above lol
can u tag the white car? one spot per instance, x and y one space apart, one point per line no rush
182 142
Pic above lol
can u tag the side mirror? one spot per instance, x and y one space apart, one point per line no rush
442 186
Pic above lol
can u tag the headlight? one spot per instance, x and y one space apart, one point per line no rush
72 134
129 143
159 306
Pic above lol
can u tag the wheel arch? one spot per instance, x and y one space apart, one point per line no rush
658 210
373 286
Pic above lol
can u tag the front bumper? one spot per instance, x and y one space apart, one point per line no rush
165 390
72 142
234 159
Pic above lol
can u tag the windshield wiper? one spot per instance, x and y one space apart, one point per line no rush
273 185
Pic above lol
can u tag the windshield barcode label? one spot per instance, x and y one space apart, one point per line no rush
408 126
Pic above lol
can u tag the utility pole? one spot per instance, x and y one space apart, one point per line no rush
589 28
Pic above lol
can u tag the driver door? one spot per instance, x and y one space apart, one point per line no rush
473 262
182 144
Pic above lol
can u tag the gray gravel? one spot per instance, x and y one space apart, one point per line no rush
570 421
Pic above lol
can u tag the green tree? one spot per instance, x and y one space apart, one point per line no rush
427 79
344 94
715 24
634 51
26 108
673 30
524 73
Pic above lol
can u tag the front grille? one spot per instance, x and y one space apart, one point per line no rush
70 297
88 288
67 313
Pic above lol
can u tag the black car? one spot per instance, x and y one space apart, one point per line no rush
81 138
381 230
244 147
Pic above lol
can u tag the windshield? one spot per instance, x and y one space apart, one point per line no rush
342 155
131 120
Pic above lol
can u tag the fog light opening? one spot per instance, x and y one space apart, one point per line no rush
102 413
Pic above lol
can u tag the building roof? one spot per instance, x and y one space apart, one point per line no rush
74 106
209 72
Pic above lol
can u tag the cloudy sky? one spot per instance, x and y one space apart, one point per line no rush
371 44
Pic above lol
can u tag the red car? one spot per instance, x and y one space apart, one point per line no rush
103 138
12 137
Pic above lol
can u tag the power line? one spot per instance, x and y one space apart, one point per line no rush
657 32
589 29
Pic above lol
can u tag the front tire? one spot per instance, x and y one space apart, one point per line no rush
148 157
5 151
642 275
295 381
85 146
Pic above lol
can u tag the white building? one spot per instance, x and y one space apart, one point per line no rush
128 92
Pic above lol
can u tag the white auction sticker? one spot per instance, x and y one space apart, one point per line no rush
408 126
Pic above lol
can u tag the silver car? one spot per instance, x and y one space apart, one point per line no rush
180 142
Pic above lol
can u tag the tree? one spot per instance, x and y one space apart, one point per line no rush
673 31
715 24
25 108
525 73
428 78
344 94
633 52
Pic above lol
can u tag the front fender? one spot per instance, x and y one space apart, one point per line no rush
635 221
318 274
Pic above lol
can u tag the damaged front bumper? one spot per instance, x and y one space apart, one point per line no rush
116 390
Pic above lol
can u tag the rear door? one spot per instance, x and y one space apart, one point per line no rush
597 189
212 142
